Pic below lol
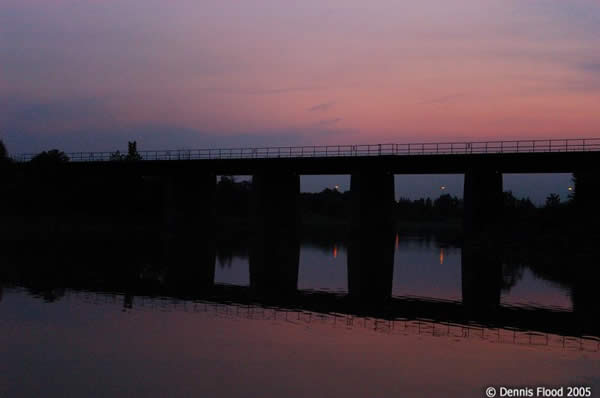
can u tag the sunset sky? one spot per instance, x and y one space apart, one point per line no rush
90 75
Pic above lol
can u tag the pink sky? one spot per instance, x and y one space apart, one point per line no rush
188 73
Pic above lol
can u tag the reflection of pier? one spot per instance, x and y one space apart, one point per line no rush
186 274
371 266
481 277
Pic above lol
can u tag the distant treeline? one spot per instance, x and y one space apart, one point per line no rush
234 197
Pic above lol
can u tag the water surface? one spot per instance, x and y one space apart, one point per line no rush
153 327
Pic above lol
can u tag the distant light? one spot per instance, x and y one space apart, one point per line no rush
570 188
443 187
337 187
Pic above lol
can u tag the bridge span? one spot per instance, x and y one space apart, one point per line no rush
190 175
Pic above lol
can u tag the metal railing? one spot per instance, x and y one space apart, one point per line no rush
320 151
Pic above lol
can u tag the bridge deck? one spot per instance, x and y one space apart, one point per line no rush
534 156
545 162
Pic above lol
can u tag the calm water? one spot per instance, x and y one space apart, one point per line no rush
150 326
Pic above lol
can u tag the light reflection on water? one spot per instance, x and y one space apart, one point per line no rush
421 269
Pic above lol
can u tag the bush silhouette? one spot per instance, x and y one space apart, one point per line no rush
53 156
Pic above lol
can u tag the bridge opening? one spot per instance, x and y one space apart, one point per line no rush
538 187
324 200
429 201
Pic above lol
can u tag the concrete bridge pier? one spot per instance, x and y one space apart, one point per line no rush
189 205
371 240
483 202
274 263
274 246
481 267
372 200
587 192
274 200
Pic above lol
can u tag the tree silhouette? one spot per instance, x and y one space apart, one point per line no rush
553 200
53 156
3 152
132 153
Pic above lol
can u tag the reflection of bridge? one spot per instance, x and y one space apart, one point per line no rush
189 175
186 270
402 327
402 315
539 320
194 283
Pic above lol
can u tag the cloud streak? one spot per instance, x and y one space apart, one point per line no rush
329 122
322 107
443 100
259 91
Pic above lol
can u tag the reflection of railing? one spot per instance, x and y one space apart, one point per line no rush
389 326
440 148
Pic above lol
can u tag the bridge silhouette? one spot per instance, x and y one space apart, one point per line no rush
189 176
370 150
